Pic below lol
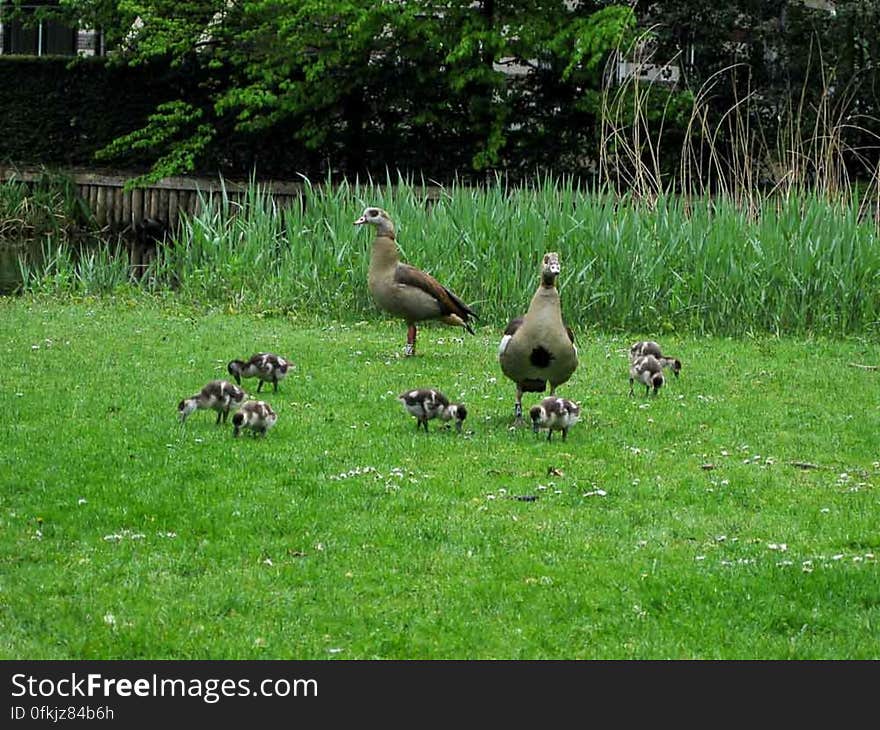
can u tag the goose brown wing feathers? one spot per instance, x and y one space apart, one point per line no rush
451 304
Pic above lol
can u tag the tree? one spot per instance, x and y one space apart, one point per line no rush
365 83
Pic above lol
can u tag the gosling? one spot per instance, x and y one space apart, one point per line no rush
426 404
647 370
555 414
219 395
256 415
266 366
649 347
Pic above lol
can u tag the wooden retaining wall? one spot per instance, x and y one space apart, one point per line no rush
164 201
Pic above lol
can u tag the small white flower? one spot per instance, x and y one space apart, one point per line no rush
780 546
110 619
82 500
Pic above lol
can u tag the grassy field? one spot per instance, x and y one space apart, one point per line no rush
347 534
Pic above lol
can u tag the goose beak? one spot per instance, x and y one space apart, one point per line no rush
360 221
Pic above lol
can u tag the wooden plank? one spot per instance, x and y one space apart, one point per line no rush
118 207
137 205
101 204
163 205
126 207
173 213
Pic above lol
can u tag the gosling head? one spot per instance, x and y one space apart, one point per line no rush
456 412
185 407
379 218
235 367
657 381
538 416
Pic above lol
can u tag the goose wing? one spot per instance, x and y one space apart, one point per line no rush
450 303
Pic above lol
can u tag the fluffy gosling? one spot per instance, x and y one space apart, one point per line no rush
426 404
649 347
219 395
255 415
648 371
555 414
266 366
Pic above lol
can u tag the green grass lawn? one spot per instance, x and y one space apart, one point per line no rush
347 534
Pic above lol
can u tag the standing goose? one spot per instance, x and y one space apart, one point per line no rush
219 395
649 347
555 414
405 291
647 370
538 348
266 366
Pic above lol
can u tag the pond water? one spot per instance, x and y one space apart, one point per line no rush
10 272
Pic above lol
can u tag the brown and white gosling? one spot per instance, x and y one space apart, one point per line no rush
256 415
555 414
426 404
647 370
219 395
649 347
266 366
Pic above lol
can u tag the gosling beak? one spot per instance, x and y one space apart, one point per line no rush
458 426
535 426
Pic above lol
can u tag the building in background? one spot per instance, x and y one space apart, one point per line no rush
18 36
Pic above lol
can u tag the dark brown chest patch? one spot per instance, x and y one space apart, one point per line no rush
541 357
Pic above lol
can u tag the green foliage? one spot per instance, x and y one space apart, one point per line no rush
59 113
663 528
800 264
360 81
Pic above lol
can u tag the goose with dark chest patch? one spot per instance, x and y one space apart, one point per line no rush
405 291
538 348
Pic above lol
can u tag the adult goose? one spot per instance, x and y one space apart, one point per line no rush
405 291
538 348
